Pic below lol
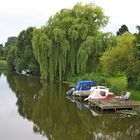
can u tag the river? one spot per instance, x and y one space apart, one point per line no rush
31 109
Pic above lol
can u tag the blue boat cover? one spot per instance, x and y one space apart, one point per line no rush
84 85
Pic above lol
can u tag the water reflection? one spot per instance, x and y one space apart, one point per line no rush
12 125
58 118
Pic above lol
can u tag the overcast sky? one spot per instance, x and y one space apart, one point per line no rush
16 15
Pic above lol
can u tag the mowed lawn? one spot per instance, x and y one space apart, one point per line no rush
121 83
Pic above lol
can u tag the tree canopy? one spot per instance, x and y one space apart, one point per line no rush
1 50
11 41
63 46
124 58
122 30
20 53
118 59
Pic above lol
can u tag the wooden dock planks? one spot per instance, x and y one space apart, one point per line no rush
114 104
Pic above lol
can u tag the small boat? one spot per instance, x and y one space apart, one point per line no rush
100 92
82 89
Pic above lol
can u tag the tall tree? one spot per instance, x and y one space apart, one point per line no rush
11 57
1 50
25 57
19 52
122 30
64 45
119 59
124 59
134 73
11 41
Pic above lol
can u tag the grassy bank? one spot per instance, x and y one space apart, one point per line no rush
3 64
135 95
117 82
121 83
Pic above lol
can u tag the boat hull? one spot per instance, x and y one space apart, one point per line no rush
81 93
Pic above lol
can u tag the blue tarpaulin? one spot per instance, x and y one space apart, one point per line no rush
84 85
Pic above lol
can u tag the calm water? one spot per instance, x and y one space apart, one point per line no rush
34 110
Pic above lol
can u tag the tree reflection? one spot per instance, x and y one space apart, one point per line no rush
57 118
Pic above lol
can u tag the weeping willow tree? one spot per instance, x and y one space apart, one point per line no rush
63 46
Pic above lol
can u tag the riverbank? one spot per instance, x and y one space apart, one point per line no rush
3 65
120 82
117 84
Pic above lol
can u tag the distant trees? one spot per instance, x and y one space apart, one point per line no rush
20 53
11 57
1 50
11 41
122 30
25 58
63 47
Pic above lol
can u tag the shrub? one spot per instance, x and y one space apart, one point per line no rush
137 85
3 64
116 90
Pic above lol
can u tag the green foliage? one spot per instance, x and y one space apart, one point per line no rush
20 55
122 30
118 84
120 81
137 86
135 95
11 41
97 77
20 65
24 54
134 82
115 89
3 65
134 68
1 51
118 59
11 57
64 46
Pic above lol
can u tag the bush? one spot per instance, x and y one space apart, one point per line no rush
3 64
134 82
137 85
102 81
115 90
97 77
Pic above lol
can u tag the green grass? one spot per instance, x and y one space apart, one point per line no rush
135 95
119 81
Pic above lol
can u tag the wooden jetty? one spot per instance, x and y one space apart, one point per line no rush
114 104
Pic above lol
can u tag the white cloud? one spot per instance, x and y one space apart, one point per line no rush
16 15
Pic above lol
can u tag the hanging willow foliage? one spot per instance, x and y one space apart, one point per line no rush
85 50
42 50
63 46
